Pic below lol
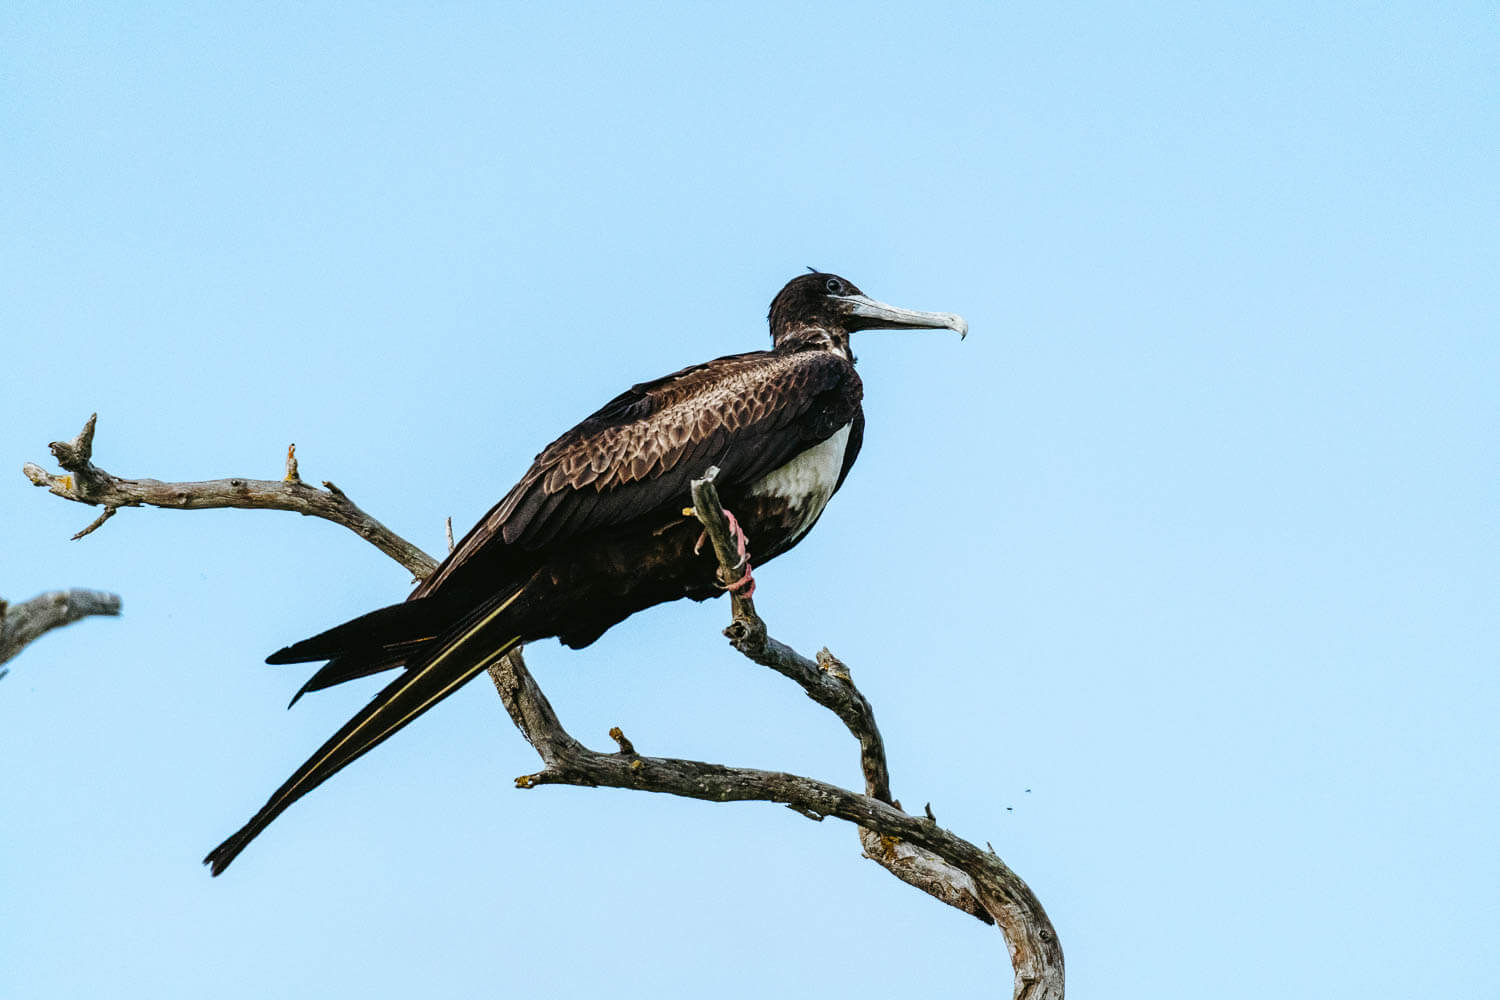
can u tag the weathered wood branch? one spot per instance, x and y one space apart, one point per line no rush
915 849
24 623
826 681
954 870
86 483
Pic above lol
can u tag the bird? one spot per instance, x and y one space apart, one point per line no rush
596 529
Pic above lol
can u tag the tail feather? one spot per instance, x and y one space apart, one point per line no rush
410 621
350 666
455 657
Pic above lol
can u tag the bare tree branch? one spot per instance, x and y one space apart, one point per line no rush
915 849
24 623
826 681
947 868
87 483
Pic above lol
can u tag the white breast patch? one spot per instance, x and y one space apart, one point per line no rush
807 481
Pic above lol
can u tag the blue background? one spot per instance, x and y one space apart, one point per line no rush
1195 537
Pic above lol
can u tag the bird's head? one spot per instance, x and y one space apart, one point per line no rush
821 310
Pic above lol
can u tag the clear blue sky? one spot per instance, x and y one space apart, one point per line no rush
1195 537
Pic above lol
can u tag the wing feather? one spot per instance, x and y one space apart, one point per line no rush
746 413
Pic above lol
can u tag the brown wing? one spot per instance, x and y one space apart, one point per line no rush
746 413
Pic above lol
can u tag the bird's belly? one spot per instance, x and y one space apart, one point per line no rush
806 482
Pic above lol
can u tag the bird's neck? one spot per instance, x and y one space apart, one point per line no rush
814 338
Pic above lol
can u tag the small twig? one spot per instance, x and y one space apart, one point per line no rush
24 623
109 512
618 735
89 484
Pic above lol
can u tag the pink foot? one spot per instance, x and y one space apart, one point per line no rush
746 582
742 549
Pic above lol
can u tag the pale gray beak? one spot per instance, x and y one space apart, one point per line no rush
873 315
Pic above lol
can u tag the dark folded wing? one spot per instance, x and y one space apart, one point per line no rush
747 413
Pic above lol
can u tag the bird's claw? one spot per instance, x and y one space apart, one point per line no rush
741 548
747 582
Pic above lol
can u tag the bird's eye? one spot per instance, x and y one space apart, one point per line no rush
834 286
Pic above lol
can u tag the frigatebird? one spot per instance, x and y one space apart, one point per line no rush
596 530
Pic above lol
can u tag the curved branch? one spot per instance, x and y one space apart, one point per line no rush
24 623
955 871
826 681
913 848
87 483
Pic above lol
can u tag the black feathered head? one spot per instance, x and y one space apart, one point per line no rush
829 303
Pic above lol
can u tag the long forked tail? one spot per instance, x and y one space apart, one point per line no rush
380 640
454 658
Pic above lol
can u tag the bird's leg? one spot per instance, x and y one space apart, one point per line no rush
741 548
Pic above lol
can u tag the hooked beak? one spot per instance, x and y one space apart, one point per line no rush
872 315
